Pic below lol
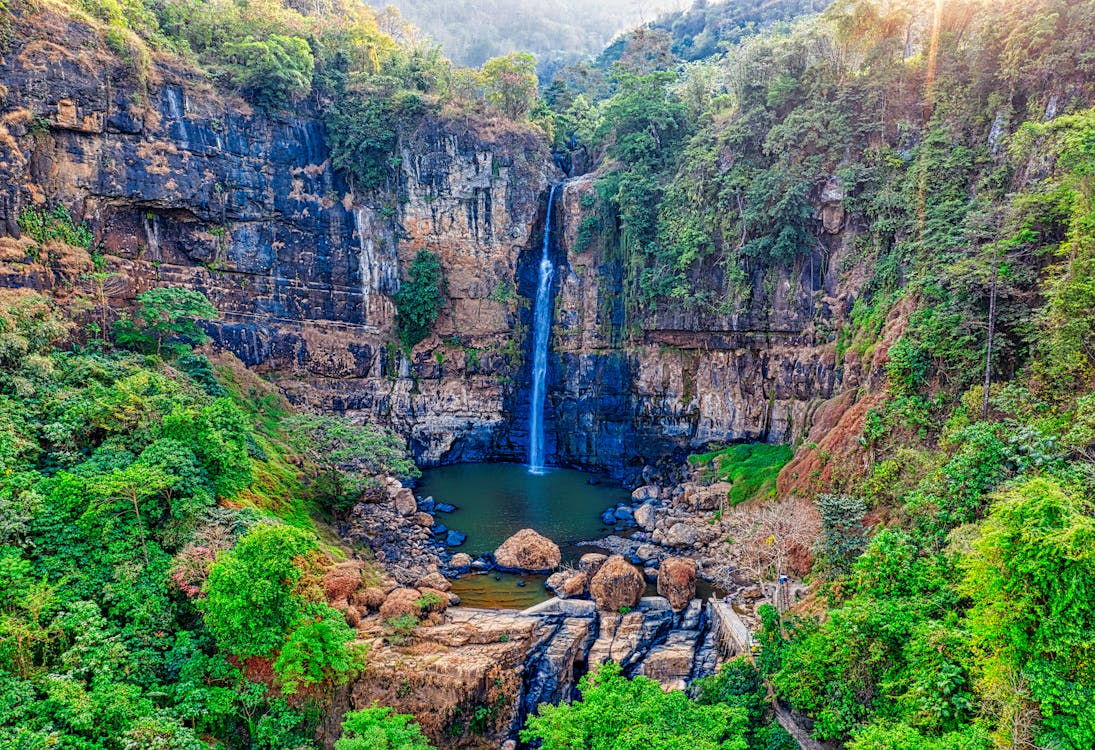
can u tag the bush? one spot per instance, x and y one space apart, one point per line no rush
249 603
380 728
620 714
418 302
271 72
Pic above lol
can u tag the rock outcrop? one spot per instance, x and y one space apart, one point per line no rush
617 585
528 550
677 581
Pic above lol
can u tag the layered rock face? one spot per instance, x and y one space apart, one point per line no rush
183 186
683 378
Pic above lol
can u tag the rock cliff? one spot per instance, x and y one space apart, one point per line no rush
182 185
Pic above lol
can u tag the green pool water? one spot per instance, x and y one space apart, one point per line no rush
493 501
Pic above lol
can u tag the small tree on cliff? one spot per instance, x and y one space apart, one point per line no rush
418 301
165 315
510 83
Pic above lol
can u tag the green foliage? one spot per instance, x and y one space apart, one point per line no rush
363 126
380 728
418 302
249 603
165 315
843 535
510 83
272 72
751 467
55 226
1030 576
620 714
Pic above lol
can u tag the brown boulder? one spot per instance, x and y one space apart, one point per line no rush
401 602
527 550
591 562
677 581
433 581
403 500
617 584
568 584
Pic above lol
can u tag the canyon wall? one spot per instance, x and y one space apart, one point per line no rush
182 185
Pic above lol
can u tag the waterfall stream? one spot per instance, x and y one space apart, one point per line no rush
541 336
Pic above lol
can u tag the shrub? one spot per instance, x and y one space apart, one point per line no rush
249 603
418 302
380 728
271 72
165 315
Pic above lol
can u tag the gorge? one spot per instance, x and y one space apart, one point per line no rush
730 390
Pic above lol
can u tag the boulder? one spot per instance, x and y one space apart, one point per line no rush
455 538
677 581
617 584
372 597
527 550
423 519
403 500
680 535
624 514
644 516
591 562
646 552
460 561
568 584
711 497
608 518
433 601
401 602
646 492
433 581
444 508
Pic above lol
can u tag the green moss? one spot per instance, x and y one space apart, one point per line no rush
751 467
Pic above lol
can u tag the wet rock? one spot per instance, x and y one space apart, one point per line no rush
401 602
591 562
528 550
444 508
624 514
426 504
460 561
440 529
644 516
617 585
680 535
608 518
677 581
455 538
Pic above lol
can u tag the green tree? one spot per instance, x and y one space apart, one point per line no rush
134 485
380 728
510 83
272 72
165 315
418 301
249 604
616 713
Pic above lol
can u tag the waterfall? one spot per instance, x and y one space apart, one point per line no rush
541 335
